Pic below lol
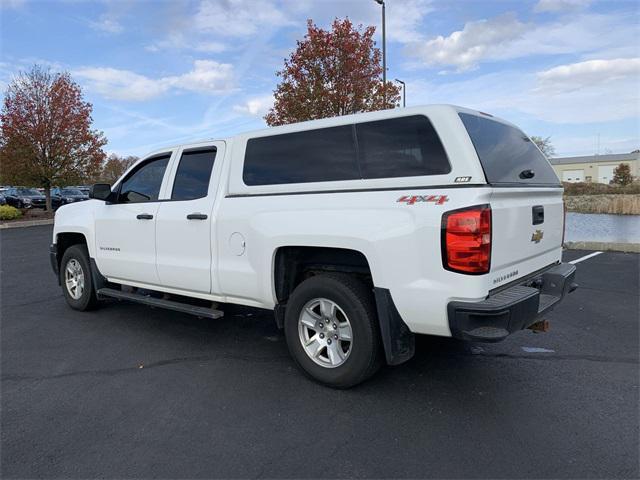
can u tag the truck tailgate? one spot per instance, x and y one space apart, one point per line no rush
527 225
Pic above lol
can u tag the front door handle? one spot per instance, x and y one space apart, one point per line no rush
197 216
144 216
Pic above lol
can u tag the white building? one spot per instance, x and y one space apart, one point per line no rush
594 168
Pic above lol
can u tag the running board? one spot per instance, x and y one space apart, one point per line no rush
160 303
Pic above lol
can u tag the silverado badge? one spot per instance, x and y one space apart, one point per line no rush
537 236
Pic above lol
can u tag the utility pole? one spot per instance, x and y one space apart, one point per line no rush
404 92
384 53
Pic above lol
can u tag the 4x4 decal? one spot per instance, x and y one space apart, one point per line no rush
411 199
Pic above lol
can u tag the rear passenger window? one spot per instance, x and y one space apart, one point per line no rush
193 175
322 155
400 147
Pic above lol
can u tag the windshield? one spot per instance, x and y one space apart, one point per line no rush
507 155
28 191
71 191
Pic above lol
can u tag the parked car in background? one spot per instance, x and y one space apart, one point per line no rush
23 197
3 192
83 188
63 196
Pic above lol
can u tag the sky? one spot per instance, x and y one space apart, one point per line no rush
170 71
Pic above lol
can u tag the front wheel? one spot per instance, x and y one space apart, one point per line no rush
75 278
331 330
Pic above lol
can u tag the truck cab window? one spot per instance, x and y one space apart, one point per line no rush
143 184
193 175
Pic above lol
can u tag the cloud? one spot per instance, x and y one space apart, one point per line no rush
256 106
560 5
404 17
207 76
477 41
405 20
603 91
505 38
121 84
216 26
238 18
12 3
585 33
107 24
576 76
177 41
209 47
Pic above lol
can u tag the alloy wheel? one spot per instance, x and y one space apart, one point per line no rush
74 279
325 332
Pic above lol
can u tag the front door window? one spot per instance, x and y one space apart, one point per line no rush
143 184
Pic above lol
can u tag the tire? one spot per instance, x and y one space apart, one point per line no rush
76 259
353 307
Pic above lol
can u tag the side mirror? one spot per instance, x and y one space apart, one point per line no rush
100 191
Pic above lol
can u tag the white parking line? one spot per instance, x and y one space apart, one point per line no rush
537 350
578 260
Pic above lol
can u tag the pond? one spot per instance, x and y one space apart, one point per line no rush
591 227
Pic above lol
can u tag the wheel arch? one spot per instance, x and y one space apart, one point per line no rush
293 264
64 240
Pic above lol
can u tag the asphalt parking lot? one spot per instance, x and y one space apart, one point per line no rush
128 391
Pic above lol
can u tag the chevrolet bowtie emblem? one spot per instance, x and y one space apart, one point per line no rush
537 236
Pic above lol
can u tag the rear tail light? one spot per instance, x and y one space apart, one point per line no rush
466 240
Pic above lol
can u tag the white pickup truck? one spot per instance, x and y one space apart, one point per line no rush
358 232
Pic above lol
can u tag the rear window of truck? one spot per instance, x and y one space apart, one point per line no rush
507 155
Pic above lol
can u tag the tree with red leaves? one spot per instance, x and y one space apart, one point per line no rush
332 73
115 166
46 137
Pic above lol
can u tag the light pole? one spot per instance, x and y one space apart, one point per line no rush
384 53
404 92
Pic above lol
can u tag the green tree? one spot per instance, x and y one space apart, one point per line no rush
622 175
45 136
545 146
332 73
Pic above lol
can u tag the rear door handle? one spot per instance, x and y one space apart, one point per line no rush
144 216
197 216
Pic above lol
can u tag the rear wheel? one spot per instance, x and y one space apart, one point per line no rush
331 330
75 278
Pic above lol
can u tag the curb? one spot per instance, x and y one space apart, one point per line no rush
604 246
26 223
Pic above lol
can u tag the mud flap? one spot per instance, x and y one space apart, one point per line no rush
398 341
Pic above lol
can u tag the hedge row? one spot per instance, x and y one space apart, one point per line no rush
612 204
600 189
